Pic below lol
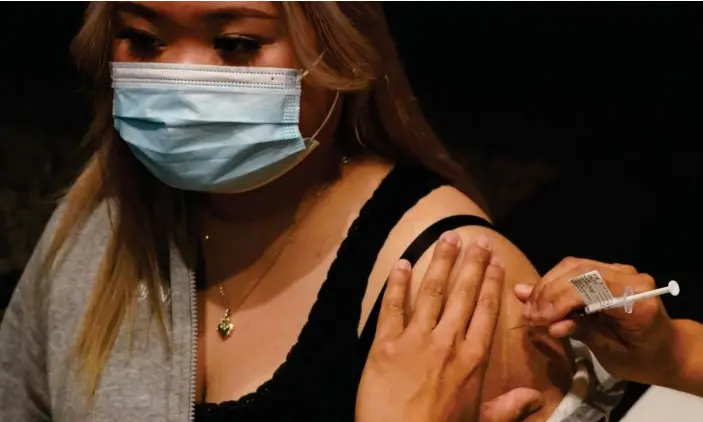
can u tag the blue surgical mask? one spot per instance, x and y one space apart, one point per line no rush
211 128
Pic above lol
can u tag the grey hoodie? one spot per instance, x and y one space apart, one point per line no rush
143 382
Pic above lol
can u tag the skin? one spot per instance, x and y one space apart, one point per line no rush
644 346
270 285
421 360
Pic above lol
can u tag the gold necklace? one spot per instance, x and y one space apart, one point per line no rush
226 326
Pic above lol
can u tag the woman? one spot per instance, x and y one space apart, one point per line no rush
645 346
226 248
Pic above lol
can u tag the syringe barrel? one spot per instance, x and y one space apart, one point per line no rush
600 306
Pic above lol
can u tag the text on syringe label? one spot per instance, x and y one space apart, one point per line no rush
592 288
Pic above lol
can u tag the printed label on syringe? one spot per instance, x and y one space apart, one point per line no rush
592 288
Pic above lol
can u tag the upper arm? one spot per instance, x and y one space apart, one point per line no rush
514 361
444 202
447 201
24 392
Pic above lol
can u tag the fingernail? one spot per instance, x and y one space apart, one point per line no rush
451 238
402 265
523 289
526 310
483 242
496 262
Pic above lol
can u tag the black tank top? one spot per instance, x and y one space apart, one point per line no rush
318 380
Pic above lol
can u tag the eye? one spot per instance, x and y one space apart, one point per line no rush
237 45
141 43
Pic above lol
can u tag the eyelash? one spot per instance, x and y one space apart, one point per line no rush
141 44
144 45
237 44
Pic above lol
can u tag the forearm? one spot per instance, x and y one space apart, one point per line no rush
686 369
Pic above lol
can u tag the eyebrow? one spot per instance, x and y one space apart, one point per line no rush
220 14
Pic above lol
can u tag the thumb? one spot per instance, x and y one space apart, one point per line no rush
512 406
523 291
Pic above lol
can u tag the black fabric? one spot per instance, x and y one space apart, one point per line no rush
319 378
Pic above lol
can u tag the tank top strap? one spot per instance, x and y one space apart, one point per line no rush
413 253
339 300
329 341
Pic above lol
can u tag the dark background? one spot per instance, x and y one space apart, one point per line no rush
579 120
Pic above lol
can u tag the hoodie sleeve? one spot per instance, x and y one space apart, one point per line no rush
24 391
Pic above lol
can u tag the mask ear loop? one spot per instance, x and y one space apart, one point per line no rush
356 133
313 138
306 72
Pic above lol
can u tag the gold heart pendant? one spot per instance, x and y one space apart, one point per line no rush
224 328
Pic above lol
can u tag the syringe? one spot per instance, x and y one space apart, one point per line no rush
626 301
629 298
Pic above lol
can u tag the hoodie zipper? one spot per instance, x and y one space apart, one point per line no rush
193 344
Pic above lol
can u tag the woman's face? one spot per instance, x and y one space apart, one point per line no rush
215 33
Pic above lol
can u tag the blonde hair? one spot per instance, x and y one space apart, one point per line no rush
380 111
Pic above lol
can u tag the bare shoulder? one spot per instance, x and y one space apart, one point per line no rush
443 202
515 362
